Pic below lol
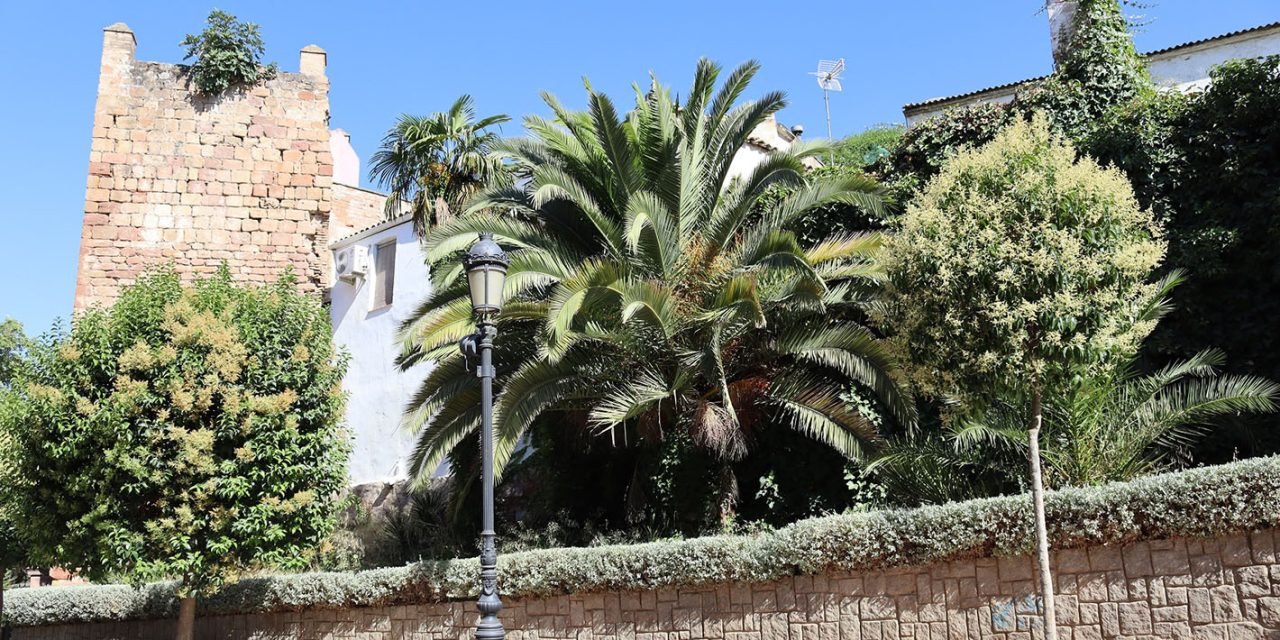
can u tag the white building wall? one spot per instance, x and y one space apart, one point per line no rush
1003 96
767 138
1189 68
377 389
346 164
747 159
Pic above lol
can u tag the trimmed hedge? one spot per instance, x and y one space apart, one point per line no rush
1202 502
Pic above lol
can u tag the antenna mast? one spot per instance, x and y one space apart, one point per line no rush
828 75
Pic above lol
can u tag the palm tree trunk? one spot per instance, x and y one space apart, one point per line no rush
1042 533
728 497
187 618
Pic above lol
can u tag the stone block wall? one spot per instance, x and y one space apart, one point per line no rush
175 177
355 209
1218 589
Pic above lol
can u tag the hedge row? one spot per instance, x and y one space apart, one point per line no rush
1203 502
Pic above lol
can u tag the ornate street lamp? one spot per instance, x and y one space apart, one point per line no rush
486 265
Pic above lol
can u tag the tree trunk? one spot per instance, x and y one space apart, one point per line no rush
442 212
728 498
1042 533
187 618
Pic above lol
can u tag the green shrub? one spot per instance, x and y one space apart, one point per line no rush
864 148
227 53
1018 265
921 151
1224 228
185 431
1202 502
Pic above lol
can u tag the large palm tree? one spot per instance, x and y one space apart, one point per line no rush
436 162
648 290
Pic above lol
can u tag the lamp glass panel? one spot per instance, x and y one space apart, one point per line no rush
493 290
476 280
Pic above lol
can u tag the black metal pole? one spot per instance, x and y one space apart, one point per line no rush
489 627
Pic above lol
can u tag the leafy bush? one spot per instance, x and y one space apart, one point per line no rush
1141 139
13 344
1209 501
924 147
186 431
864 148
1225 226
1017 266
1205 164
227 53
1101 72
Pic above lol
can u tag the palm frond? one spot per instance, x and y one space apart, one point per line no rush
813 406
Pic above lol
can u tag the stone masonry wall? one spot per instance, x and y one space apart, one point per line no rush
175 177
355 209
1221 589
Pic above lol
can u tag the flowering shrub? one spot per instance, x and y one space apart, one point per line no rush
185 431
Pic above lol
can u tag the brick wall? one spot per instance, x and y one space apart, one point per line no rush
1222 589
355 208
175 177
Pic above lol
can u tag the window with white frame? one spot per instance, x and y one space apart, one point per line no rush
384 274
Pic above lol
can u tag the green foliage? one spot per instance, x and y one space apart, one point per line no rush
1141 139
437 162
923 148
1225 225
13 346
1204 502
184 432
1019 265
647 293
1207 165
1115 426
227 54
831 219
863 149
1102 70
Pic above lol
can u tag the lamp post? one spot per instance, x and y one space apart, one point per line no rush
486 266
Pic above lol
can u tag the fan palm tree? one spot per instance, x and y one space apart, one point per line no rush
1125 425
1114 426
647 291
436 162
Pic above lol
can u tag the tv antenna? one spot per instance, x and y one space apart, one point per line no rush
828 74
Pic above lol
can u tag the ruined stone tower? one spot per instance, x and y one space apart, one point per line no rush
246 178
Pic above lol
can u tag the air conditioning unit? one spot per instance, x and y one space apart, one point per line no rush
351 262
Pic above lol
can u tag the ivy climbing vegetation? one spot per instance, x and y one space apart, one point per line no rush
188 433
227 53
1102 70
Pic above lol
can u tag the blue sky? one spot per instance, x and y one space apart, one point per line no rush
386 58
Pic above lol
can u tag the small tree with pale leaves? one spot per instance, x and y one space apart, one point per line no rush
1019 265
